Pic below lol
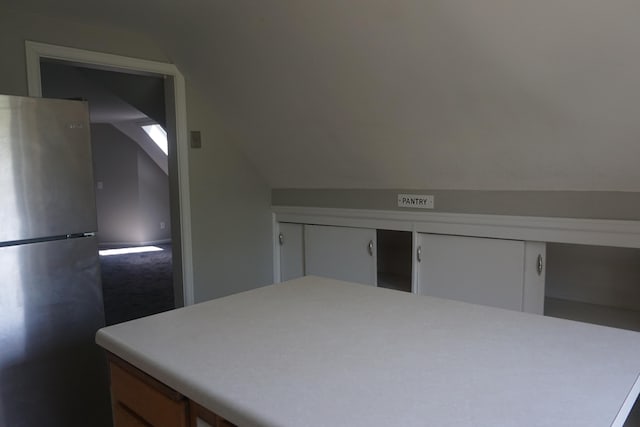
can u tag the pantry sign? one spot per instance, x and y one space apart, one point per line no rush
420 201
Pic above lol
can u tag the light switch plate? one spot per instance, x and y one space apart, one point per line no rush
196 139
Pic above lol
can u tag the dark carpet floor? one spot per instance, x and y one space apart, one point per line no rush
137 285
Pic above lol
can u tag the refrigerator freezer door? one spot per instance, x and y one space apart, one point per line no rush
51 371
46 174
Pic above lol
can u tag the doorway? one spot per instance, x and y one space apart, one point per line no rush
131 179
171 81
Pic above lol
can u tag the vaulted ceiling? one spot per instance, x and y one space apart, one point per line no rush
449 94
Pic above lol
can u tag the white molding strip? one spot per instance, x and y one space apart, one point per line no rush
36 51
627 406
538 229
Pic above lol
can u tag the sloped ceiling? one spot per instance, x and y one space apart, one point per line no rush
64 81
109 96
448 94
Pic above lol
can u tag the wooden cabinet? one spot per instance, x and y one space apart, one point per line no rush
343 253
139 400
202 417
494 272
123 417
291 249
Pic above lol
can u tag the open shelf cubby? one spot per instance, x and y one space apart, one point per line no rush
593 284
394 259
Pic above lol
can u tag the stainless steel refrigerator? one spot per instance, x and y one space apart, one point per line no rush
51 372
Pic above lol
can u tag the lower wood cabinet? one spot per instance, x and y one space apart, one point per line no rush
139 400
202 417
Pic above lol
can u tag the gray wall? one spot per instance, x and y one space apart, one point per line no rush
231 221
153 199
489 95
115 165
474 95
134 198
145 93
231 216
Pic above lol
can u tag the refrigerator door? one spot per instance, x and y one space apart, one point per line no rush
46 174
51 371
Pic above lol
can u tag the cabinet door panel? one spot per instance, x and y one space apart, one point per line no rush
291 251
137 401
123 417
340 253
202 417
476 270
535 255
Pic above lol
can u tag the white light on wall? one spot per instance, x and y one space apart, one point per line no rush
133 250
158 135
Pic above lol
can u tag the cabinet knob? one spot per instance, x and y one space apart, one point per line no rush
370 247
281 239
539 264
419 254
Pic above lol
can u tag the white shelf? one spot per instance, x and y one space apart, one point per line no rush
592 313
393 281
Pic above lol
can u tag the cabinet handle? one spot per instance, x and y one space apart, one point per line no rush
419 254
370 247
281 239
540 265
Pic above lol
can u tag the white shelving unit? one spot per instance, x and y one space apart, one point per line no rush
592 313
594 284
592 266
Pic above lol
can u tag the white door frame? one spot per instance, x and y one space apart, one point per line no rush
36 51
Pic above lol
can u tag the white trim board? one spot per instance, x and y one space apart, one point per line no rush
627 405
598 232
36 51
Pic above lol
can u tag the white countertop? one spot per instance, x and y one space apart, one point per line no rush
319 352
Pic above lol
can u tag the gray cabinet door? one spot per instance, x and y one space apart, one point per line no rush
291 251
342 253
470 269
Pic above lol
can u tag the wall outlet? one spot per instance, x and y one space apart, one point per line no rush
162 226
420 201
